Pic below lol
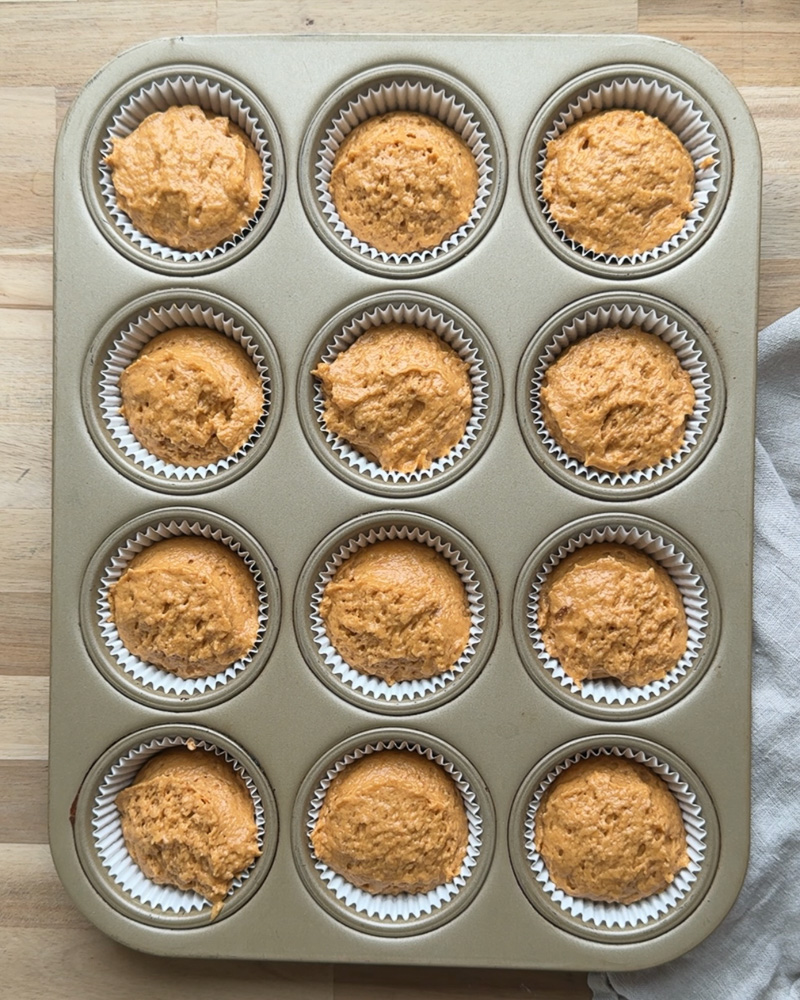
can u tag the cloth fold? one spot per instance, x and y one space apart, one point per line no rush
755 952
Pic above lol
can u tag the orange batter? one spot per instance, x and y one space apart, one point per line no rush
393 821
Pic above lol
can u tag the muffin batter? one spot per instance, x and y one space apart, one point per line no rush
192 396
618 182
618 400
397 610
188 821
393 821
187 604
187 178
610 829
399 394
403 181
610 610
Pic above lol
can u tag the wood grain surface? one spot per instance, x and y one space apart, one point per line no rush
48 49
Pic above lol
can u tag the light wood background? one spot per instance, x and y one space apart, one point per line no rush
48 49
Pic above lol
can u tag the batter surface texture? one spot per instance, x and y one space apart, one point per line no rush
397 610
187 178
192 396
187 604
399 394
188 821
610 610
391 822
610 829
618 400
403 182
618 182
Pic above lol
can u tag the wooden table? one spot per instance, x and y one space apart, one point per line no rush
47 52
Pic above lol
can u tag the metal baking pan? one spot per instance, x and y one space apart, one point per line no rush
505 505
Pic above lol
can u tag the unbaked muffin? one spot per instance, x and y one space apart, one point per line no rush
403 182
391 822
192 396
609 610
188 821
187 604
399 394
397 610
618 400
610 829
618 182
187 178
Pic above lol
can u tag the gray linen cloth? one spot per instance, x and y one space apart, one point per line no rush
755 952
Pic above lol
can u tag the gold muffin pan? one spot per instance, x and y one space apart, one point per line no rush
508 291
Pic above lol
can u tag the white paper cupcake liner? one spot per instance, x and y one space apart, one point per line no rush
110 844
158 96
126 349
676 111
404 906
403 690
608 690
402 95
653 322
451 334
148 674
622 915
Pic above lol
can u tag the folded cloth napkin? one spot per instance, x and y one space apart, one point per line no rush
755 952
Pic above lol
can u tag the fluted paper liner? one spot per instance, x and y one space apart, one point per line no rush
622 915
676 111
451 334
148 674
403 690
126 349
404 906
429 99
159 95
110 844
653 322
685 578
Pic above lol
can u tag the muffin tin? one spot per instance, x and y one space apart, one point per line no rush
508 291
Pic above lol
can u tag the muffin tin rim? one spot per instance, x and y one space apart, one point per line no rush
549 685
97 355
536 895
98 651
305 865
95 871
89 177
314 132
315 435
306 582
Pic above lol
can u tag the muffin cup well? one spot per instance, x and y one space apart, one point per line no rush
156 91
605 695
606 921
101 846
659 318
459 332
406 913
118 344
368 691
662 96
145 681
378 92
